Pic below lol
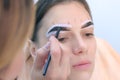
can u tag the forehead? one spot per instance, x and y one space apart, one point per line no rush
72 13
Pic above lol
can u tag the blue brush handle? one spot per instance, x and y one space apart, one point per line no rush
46 65
49 56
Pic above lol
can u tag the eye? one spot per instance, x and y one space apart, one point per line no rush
62 39
89 34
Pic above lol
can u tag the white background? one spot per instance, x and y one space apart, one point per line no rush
106 16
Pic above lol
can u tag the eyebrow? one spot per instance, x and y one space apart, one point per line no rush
64 28
57 27
89 23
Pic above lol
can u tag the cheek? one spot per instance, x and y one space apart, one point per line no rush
92 48
66 49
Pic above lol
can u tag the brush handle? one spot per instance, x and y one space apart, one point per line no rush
49 56
46 65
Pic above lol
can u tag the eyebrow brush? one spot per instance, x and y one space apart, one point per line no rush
49 56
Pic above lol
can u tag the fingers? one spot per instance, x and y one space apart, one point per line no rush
41 55
59 67
60 61
55 52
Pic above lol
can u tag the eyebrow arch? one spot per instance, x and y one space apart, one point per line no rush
89 23
57 27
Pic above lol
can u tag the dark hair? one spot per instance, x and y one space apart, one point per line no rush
44 5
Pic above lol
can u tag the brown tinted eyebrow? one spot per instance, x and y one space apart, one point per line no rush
56 28
87 24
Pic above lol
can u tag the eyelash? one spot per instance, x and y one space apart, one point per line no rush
89 34
62 39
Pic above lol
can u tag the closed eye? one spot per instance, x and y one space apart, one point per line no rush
89 34
62 39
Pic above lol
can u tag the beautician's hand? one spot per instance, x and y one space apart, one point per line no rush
59 68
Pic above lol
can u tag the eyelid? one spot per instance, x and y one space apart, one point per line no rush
89 35
64 33
88 29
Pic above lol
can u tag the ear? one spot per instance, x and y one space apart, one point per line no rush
32 48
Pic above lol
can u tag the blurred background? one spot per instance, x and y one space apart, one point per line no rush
106 16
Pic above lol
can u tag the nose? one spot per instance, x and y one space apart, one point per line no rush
79 47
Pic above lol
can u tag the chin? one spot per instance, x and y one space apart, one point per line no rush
82 74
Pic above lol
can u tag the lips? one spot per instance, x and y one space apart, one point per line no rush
82 65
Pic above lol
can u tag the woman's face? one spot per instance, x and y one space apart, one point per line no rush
77 41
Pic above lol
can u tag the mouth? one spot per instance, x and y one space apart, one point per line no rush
82 65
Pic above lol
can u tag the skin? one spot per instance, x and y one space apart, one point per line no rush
10 71
76 46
